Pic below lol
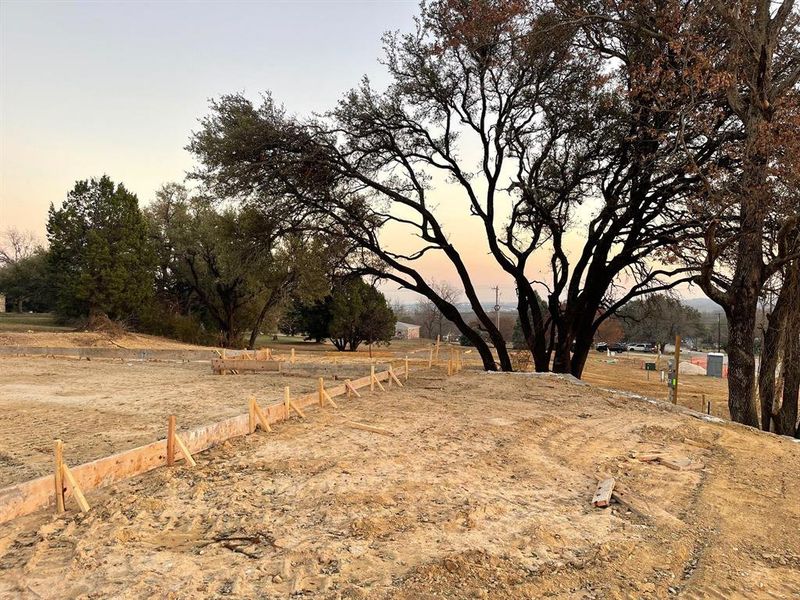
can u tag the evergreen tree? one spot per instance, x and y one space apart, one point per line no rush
100 258
359 314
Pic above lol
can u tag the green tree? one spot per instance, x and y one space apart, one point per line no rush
100 258
232 266
26 283
659 318
359 314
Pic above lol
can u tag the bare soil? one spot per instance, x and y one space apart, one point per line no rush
101 407
483 492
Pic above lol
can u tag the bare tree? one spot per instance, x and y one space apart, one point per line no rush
17 245
557 134
431 319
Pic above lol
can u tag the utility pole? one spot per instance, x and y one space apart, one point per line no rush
497 306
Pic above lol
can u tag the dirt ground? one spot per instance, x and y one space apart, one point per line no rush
483 492
101 407
625 372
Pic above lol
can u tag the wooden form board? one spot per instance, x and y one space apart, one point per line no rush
28 497
243 364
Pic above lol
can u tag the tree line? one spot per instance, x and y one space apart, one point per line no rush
188 267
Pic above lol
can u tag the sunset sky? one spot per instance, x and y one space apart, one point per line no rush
116 88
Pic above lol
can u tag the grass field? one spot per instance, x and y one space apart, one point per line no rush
30 322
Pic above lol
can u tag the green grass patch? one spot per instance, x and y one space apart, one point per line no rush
31 322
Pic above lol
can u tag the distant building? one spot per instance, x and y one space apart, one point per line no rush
406 331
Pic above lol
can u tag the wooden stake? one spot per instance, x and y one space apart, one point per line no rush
292 358
251 415
351 389
406 373
375 379
393 377
184 450
76 489
327 397
430 359
372 378
449 367
291 406
171 441
321 391
58 478
262 418
438 340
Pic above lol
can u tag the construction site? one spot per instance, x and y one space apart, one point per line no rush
411 474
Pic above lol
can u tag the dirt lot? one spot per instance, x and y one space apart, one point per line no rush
484 492
625 372
100 407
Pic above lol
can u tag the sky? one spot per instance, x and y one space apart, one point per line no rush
116 88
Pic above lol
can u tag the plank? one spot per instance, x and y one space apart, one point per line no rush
641 506
681 464
602 496
365 427
649 457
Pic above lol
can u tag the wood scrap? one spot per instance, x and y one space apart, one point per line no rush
698 444
642 507
649 457
602 496
681 464
365 427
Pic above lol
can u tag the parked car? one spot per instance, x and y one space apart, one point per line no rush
618 347
601 347
641 347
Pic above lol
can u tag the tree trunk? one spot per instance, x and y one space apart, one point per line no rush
270 302
786 418
766 370
775 340
583 345
741 364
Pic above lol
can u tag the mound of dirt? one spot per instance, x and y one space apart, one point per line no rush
687 368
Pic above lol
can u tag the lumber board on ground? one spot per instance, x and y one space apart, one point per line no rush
371 428
602 496
644 508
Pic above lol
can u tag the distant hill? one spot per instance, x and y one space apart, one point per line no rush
703 304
